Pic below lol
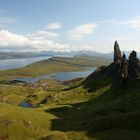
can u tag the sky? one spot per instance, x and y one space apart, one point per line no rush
69 25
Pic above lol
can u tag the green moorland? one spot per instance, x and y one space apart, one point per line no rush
55 64
79 109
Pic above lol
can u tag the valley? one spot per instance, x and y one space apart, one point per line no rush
38 94
84 108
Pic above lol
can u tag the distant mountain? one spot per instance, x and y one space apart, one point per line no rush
75 53
20 55
89 53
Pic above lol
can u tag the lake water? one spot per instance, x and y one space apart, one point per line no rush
25 104
17 63
61 76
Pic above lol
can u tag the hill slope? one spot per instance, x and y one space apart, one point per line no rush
74 112
80 109
54 64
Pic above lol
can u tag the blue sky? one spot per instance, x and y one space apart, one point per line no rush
65 25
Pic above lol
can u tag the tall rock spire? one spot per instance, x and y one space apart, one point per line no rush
134 65
124 68
117 52
120 66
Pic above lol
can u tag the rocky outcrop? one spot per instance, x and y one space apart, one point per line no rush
120 66
117 52
134 65
120 72
123 68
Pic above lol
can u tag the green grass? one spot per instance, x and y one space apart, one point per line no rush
55 64
74 113
80 109
108 110
19 123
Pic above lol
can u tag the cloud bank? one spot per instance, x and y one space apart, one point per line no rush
43 40
81 31
35 42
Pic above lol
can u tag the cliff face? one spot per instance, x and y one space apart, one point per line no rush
121 69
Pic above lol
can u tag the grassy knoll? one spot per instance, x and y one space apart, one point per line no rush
18 123
55 64
14 94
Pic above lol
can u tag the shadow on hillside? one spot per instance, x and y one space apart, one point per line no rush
93 116
96 80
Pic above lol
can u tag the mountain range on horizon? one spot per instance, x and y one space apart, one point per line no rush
21 55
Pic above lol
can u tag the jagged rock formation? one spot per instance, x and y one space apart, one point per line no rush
120 66
124 67
134 65
117 52
121 69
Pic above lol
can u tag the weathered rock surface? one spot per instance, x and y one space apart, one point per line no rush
134 65
117 52
121 69
124 67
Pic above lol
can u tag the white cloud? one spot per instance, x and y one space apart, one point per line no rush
10 39
7 20
54 25
80 31
14 42
42 35
134 23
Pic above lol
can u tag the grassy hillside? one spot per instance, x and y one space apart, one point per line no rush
70 111
78 109
55 64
